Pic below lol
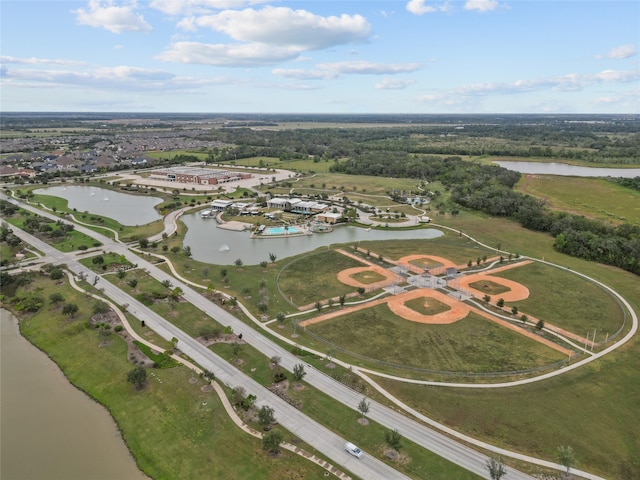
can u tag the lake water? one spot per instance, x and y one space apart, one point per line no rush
568 170
50 429
127 209
218 246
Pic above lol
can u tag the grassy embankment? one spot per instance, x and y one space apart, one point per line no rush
319 406
173 428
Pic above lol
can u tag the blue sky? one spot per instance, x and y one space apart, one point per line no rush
410 56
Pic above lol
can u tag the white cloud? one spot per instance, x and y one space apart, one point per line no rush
39 61
239 55
393 84
369 68
621 52
570 82
282 26
116 19
418 7
327 71
300 74
481 5
193 7
120 78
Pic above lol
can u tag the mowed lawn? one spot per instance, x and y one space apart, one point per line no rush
566 300
473 344
168 428
576 194
451 246
314 277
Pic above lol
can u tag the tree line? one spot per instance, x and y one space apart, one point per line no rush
489 189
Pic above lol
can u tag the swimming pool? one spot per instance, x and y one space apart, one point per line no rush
281 231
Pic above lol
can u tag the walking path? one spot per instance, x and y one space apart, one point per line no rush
364 373
216 386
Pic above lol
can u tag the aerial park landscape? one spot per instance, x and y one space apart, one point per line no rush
298 240
471 311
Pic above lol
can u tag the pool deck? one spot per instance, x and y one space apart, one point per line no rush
234 225
284 235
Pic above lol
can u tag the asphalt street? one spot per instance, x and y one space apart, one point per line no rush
307 429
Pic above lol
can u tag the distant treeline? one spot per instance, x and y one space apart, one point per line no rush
490 189
614 143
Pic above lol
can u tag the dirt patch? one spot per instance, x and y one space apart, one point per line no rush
363 421
347 277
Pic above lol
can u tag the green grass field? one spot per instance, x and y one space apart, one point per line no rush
451 246
473 344
566 300
314 277
168 426
614 203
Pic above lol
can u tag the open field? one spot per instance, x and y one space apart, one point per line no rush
566 300
615 203
451 246
469 345
163 422
315 277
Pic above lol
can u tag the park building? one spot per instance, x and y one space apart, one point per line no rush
198 176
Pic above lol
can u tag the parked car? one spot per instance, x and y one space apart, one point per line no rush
353 450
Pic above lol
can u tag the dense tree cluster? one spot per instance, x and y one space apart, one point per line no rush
575 235
633 183
614 140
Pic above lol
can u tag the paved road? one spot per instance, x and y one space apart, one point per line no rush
299 424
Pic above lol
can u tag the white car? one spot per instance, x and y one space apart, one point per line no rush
353 450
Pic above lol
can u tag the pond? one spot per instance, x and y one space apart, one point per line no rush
555 168
50 429
127 209
218 246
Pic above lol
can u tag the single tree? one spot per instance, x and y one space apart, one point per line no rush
500 302
566 457
238 263
121 273
393 438
133 282
144 243
540 324
271 442
280 316
56 274
363 407
272 257
514 310
298 372
238 394
524 318
496 468
275 360
137 376
56 298
342 299
486 298
266 416
187 251
100 307
70 309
